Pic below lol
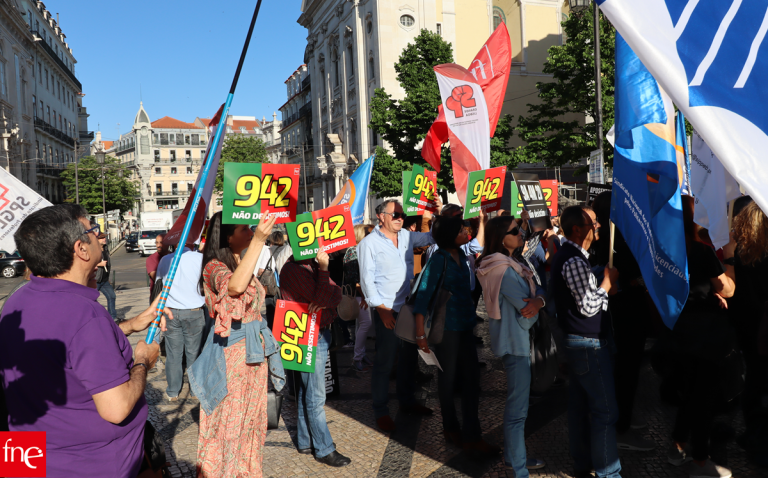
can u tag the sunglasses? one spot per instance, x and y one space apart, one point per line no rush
395 215
94 229
514 231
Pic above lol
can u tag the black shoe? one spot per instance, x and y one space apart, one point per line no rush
304 451
334 459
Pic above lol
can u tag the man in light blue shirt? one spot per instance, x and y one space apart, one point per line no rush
185 331
386 269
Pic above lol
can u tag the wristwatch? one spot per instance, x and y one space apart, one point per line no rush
420 337
543 300
731 261
142 364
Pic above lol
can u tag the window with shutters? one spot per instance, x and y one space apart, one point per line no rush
195 140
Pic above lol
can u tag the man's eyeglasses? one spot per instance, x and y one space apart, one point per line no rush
395 215
514 231
95 229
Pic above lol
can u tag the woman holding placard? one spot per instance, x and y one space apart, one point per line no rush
512 299
233 407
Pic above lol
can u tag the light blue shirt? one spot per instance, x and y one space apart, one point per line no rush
469 249
385 270
185 292
509 335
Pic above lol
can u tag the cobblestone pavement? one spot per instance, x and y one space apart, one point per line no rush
417 448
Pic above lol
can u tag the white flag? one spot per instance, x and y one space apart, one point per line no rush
710 57
466 114
17 201
712 186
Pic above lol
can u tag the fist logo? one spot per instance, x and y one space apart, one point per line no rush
461 97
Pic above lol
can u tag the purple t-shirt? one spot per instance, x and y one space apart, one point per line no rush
58 348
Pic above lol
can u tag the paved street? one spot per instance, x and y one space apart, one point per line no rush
129 269
417 449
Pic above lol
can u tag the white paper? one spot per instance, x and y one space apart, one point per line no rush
430 359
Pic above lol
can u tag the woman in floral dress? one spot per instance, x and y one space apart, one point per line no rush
232 435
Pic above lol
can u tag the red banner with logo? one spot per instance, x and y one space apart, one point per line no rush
23 454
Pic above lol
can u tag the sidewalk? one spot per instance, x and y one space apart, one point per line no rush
418 449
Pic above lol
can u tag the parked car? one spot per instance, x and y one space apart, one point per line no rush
132 242
11 265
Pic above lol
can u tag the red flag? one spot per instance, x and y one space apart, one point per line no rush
491 71
173 236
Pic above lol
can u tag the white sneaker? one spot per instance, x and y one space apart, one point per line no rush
709 470
631 440
678 457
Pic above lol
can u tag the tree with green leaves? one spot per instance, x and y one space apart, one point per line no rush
239 149
554 129
403 124
120 192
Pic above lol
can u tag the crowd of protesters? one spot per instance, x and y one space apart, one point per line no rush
557 313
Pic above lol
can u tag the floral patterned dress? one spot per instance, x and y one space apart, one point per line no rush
231 439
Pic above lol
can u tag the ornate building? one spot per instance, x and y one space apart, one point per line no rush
351 47
296 132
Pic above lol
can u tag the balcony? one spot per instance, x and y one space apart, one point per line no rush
58 61
305 83
305 110
56 133
174 192
184 160
86 136
50 170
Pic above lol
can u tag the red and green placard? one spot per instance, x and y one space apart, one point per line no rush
419 191
328 229
250 188
484 190
296 330
517 206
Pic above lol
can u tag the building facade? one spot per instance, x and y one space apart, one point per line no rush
351 47
296 133
270 134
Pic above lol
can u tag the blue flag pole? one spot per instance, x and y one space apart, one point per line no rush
168 280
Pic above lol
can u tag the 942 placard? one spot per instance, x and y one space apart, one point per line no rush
250 188
296 330
328 229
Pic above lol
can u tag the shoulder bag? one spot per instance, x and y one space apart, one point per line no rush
268 278
434 320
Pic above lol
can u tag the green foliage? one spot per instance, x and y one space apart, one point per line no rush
239 149
403 124
119 191
550 136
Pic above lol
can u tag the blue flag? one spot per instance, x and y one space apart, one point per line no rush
355 191
646 204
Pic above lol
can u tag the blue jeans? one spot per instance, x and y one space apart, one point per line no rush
592 408
457 354
518 370
182 337
109 293
387 346
312 427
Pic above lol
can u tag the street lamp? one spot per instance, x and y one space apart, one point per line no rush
100 159
576 7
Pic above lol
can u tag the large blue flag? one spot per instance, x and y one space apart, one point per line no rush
355 191
646 204
711 57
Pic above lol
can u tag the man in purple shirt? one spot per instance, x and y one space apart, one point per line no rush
66 367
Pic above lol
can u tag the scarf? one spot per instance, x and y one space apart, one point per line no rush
490 274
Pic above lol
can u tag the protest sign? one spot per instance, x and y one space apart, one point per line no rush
419 191
549 188
533 199
328 229
595 190
17 201
296 330
485 190
252 188
596 167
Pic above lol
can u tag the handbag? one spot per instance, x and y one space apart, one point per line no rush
544 366
434 320
268 278
274 405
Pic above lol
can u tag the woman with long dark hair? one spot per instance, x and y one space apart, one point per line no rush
230 376
512 300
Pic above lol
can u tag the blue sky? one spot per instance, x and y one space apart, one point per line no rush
181 56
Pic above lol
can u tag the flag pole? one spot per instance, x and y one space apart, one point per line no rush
214 146
610 245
